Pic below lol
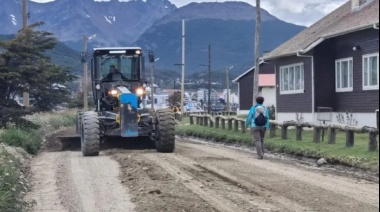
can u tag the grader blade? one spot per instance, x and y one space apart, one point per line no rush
69 142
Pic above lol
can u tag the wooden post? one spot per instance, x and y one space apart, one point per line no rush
331 133
211 123
191 120
243 128
223 123
317 135
299 133
229 124
205 119
236 125
284 132
372 141
217 122
350 138
273 128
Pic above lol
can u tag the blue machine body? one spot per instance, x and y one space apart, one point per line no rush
129 115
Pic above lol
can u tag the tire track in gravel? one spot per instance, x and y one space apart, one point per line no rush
69 182
191 183
226 186
362 190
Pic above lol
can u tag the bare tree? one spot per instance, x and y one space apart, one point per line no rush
257 53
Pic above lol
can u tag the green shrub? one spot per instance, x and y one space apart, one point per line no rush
30 141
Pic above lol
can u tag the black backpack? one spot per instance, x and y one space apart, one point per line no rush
260 119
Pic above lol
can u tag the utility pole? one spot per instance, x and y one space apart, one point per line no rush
85 70
183 67
24 14
151 58
257 53
228 88
24 27
209 78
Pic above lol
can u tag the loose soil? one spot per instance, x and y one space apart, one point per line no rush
130 176
206 177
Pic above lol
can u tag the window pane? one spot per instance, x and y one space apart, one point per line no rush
302 78
291 78
366 72
351 77
373 71
282 79
298 77
338 72
345 74
286 79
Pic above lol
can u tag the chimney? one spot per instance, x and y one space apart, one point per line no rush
355 4
359 4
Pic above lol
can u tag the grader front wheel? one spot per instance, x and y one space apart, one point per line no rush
165 131
90 138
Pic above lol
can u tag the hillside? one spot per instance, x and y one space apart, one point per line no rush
232 39
60 55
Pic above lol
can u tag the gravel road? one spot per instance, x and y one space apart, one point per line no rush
68 182
196 178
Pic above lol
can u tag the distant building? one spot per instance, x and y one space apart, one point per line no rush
267 87
234 98
203 96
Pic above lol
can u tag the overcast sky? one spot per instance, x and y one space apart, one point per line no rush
303 12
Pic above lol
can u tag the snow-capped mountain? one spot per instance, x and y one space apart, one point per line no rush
113 22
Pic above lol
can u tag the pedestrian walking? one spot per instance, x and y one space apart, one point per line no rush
258 120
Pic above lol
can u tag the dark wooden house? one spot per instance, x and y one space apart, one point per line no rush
267 83
333 63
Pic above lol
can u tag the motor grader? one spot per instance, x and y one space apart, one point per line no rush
119 109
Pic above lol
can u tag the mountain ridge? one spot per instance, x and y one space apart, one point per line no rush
232 39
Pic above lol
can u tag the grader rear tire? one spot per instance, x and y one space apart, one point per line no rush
90 138
165 131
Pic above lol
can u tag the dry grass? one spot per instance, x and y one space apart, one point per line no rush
13 185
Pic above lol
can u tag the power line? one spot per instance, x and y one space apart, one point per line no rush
19 6
214 4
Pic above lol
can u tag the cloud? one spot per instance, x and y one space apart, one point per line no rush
302 12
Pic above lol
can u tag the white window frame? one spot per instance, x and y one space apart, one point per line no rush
370 87
299 91
349 89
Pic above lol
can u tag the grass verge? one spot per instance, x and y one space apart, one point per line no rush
30 139
13 184
357 156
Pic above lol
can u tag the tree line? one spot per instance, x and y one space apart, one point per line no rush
24 66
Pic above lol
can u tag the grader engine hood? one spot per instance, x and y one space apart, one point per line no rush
129 118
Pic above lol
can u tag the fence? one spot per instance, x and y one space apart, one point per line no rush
237 124
188 114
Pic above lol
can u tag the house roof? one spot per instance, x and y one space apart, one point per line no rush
340 22
245 73
267 80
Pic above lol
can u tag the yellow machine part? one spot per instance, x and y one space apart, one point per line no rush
118 118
